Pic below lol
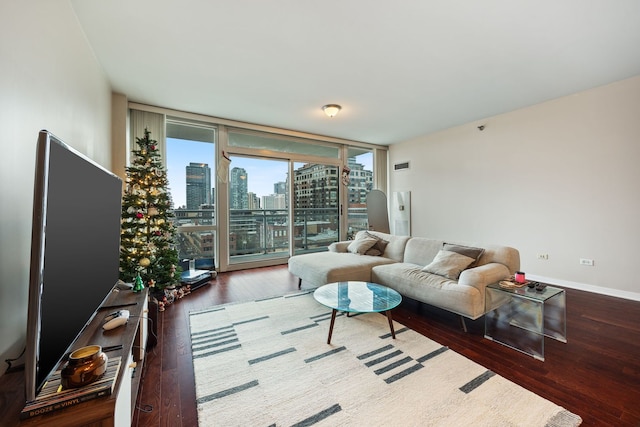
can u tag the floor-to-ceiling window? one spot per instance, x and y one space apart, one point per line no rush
191 171
253 196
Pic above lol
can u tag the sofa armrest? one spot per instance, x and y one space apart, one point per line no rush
340 247
480 277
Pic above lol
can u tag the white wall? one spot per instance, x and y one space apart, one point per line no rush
559 178
49 79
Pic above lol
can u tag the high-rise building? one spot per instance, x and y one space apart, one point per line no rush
253 201
198 185
280 187
360 182
316 186
274 201
238 189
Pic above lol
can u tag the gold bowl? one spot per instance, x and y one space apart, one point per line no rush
85 365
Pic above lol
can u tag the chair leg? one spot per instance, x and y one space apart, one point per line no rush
464 325
299 282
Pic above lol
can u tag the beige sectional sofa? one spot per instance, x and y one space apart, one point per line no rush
427 270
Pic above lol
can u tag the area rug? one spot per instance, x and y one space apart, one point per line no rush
267 363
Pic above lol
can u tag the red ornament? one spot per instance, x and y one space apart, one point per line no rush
139 215
153 147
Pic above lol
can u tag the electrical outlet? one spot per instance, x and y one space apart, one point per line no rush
543 256
586 261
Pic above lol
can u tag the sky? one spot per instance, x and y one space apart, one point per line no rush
179 154
261 173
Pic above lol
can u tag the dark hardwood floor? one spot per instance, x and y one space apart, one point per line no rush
596 374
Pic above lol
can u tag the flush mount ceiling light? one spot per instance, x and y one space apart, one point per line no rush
331 109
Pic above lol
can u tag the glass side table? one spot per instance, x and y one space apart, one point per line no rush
520 318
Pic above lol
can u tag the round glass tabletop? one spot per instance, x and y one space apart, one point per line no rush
357 297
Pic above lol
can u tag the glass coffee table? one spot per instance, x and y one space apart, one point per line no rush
357 297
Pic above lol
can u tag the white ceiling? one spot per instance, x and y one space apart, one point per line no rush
399 69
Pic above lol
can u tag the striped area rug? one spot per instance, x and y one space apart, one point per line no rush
267 363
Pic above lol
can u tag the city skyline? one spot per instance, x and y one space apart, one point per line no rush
262 173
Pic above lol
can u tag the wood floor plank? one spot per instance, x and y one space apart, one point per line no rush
596 374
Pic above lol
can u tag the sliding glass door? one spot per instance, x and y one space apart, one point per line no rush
316 206
258 209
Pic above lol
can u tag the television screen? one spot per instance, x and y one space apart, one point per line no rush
74 253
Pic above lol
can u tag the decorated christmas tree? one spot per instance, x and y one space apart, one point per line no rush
147 237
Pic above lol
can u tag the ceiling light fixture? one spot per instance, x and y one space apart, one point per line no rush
331 109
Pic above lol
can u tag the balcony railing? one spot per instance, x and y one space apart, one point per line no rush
258 232
263 233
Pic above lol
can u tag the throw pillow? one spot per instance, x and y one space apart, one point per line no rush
362 245
469 251
378 248
448 264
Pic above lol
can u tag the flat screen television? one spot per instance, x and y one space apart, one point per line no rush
74 253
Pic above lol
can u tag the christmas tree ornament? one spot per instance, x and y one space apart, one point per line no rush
145 262
138 285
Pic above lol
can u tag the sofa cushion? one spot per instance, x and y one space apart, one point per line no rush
469 251
395 248
361 245
421 250
448 264
379 247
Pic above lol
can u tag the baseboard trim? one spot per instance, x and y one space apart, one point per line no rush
635 296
